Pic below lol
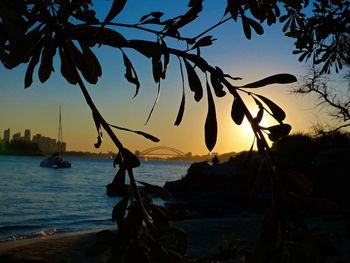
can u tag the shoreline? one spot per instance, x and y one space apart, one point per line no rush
204 235
39 237
71 247
68 247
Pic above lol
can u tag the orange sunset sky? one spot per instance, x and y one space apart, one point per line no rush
37 108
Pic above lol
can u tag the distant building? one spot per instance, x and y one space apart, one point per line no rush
37 138
27 137
16 137
7 134
48 145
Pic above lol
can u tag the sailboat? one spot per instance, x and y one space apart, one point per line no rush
56 160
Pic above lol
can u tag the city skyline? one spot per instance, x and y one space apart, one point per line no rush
46 144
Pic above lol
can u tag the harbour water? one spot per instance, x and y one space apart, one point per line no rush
36 201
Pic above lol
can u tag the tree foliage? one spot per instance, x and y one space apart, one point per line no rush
34 32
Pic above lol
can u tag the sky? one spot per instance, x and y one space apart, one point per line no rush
37 107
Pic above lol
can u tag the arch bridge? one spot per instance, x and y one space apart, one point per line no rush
155 151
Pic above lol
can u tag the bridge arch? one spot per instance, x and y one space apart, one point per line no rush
150 150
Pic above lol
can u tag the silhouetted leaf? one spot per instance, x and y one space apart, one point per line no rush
12 23
146 48
256 26
117 187
278 131
130 73
67 69
271 17
97 120
152 14
144 134
198 61
277 112
118 159
97 35
99 142
129 159
62 13
232 7
116 8
46 66
28 80
154 104
88 16
237 112
287 25
292 3
156 190
230 77
85 61
246 27
188 17
275 79
284 18
90 59
119 210
259 115
211 128
192 3
182 104
215 79
21 50
181 111
156 69
194 82
166 55
204 41
76 55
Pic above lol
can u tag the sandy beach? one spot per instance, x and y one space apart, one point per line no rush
203 235
59 248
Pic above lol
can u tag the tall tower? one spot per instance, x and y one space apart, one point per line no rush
7 134
27 137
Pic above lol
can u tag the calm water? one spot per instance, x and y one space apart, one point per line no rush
36 201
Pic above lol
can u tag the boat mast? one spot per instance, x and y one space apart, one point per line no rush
60 135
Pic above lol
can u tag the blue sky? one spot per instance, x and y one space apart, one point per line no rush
37 107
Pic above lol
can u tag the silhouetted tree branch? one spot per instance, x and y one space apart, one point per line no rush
335 99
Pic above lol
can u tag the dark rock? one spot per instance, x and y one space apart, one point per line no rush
202 177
